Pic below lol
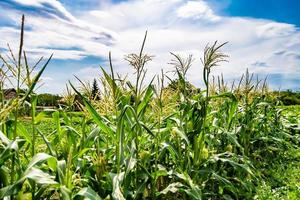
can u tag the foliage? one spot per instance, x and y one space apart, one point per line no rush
47 99
288 97
95 90
144 141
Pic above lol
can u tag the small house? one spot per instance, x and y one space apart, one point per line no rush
9 94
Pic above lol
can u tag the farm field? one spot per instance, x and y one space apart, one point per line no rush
285 181
152 142
139 139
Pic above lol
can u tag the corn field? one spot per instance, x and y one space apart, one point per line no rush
144 140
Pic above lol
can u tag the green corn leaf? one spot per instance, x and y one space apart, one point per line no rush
173 188
49 146
171 149
56 119
181 134
65 193
131 162
97 118
11 189
117 180
39 177
40 117
10 149
22 131
88 194
61 171
4 176
36 79
4 139
32 173
37 159
193 189
146 99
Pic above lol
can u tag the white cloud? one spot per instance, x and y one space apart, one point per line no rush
197 10
55 4
88 73
35 54
61 31
273 30
173 25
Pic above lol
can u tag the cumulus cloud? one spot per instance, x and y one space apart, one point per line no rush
197 10
264 46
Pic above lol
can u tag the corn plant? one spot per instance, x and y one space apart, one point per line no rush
142 140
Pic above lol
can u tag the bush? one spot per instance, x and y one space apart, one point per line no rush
48 100
289 98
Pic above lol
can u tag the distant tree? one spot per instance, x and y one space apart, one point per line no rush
95 90
48 99
289 97
176 85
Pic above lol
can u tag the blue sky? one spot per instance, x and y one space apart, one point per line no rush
263 36
286 11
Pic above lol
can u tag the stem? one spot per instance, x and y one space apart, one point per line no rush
33 107
17 98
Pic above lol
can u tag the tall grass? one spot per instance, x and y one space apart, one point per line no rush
144 140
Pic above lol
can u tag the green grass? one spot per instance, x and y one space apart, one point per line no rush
285 181
46 125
